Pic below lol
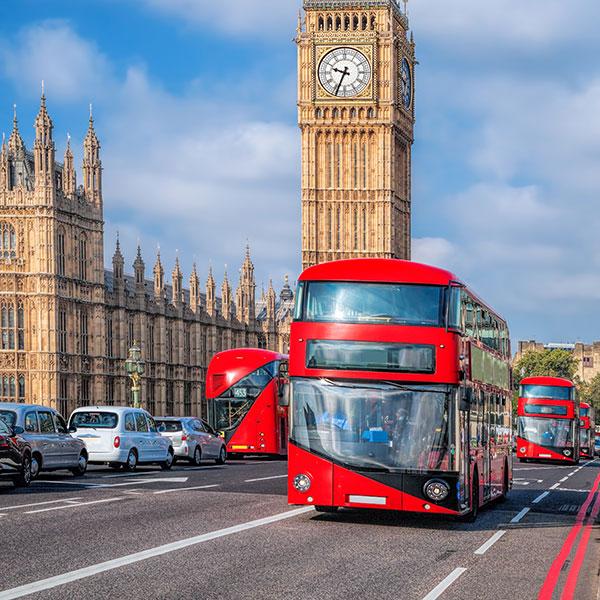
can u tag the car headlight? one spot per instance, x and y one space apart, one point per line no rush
302 482
436 490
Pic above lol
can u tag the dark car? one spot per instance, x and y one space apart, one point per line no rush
15 456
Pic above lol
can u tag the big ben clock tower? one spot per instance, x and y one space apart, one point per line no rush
356 113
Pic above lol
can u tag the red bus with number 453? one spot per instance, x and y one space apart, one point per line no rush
587 431
399 391
243 389
548 427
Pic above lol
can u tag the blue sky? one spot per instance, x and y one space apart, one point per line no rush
194 103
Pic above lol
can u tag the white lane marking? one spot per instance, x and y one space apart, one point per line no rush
40 510
520 515
75 483
52 582
564 479
126 483
520 482
485 547
37 504
541 497
570 490
114 476
265 478
439 589
198 487
553 487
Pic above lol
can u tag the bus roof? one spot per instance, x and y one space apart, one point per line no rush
552 381
228 367
382 270
585 405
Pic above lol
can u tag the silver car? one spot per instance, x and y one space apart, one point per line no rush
193 439
52 447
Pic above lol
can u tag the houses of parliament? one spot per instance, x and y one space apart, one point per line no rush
67 322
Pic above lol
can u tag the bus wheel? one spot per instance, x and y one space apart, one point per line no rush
471 516
326 509
505 486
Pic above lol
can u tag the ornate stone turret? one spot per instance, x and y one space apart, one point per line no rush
92 165
246 292
16 146
159 278
43 148
69 182
177 278
118 263
271 303
286 295
226 297
4 167
210 293
139 269
194 290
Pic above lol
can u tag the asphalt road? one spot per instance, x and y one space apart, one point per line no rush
227 532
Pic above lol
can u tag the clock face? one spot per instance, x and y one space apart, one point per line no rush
344 72
406 84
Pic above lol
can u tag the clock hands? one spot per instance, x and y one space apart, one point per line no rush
344 73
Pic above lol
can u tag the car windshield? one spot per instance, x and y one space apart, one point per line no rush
547 432
9 417
95 420
168 426
381 303
546 391
374 425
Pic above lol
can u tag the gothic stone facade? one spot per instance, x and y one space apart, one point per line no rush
587 355
67 323
356 136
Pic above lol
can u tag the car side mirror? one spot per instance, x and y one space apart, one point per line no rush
16 430
72 429
284 395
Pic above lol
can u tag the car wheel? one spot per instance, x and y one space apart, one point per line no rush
222 456
132 461
35 466
167 464
197 460
23 479
471 516
81 468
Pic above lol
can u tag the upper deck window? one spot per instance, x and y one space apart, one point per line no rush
584 412
374 303
546 391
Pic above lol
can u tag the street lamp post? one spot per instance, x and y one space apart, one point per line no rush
135 367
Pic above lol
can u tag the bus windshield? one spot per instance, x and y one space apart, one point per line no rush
374 425
381 303
233 405
546 391
546 432
584 412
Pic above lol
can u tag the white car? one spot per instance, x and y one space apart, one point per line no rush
193 439
121 436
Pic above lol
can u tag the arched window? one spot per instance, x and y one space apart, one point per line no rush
353 113
371 113
335 113
83 253
373 21
20 327
346 23
60 251
338 23
7 326
329 23
21 388
365 22
321 24
318 113
8 240
355 23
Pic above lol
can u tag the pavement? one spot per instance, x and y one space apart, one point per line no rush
227 532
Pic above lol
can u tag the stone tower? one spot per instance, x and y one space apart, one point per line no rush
356 114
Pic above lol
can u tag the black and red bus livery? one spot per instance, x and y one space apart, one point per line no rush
399 391
548 420
587 430
243 389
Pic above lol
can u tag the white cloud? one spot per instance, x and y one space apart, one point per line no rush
239 17
435 251
71 67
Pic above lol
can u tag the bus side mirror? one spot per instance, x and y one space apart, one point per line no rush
284 394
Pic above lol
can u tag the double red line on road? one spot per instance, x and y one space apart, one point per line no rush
547 590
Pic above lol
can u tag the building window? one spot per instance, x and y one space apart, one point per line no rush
110 391
169 343
83 332
83 252
8 240
170 408
187 399
109 336
63 394
150 341
130 331
7 322
187 345
151 398
60 252
588 361
8 388
62 330
84 400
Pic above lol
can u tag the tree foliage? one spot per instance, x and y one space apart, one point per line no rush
550 363
590 392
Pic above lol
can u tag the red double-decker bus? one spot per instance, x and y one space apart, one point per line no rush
587 430
399 391
548 420
243 389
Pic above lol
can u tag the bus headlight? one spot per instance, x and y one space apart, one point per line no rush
436 490
302 482
567 452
